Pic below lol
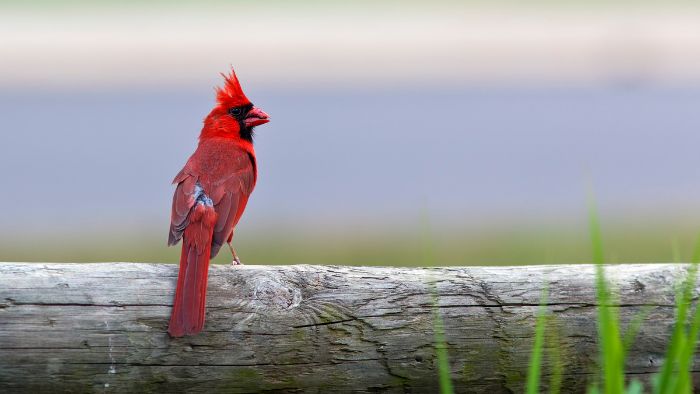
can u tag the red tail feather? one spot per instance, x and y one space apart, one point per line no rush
190 296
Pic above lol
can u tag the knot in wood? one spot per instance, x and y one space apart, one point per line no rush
275 291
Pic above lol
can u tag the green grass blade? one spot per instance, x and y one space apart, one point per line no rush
593 389
685 384
674 375
666 379
675 251
443 361
595 233
611 347
554 353
686 353
535 367
635 387
633 328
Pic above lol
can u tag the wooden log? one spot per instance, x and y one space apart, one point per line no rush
102 327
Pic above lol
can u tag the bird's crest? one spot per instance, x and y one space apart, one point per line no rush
231 94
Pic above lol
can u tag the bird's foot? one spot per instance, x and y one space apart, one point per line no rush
236 260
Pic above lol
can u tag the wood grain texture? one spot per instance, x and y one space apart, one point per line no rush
102 327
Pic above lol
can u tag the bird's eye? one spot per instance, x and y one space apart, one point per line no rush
235 111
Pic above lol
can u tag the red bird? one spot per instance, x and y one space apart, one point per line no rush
211 194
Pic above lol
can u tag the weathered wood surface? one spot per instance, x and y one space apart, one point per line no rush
101 327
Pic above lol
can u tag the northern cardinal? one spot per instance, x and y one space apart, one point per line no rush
211 194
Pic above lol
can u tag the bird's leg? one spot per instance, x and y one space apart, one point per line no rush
236 260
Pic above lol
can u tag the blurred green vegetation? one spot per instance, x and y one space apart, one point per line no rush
627 241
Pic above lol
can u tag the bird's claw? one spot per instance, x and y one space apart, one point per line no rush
236 261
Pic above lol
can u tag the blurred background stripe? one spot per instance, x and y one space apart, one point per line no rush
318 44
489 118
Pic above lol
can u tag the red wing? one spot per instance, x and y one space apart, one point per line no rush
227 175
230 207
183 200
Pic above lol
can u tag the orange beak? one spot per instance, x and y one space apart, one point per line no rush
256 117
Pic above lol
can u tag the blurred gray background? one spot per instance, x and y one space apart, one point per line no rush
483 126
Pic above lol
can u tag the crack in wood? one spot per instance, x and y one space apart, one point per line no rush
325 323
86 304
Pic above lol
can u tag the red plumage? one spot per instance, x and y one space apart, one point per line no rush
211 194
